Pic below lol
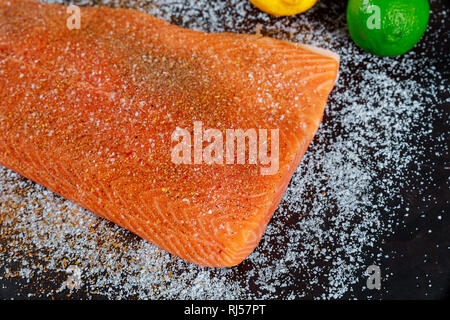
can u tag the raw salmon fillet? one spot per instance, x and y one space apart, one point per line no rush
89 114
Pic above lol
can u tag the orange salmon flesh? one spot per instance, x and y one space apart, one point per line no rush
89 114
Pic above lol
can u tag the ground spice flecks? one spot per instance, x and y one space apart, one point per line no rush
343 201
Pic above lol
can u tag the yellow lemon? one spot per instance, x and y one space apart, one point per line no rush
283 7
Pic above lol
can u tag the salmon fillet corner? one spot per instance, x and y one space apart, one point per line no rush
90 114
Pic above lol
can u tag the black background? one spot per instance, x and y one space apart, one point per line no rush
412 274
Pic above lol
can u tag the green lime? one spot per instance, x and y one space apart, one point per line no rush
387 27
